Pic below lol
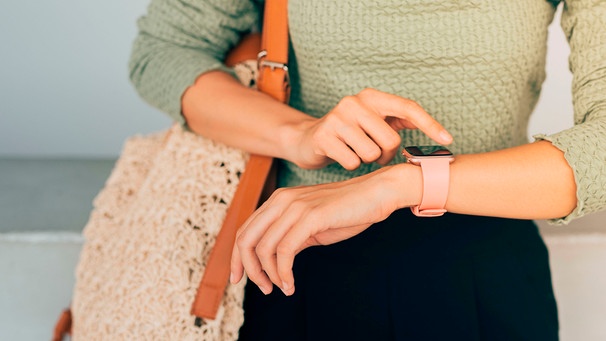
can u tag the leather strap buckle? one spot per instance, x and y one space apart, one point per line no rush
263 63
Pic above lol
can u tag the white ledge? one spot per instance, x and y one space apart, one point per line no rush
42 237
588 238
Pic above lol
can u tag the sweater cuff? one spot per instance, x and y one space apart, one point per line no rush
585 151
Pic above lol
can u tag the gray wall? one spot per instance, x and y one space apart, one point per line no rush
64 89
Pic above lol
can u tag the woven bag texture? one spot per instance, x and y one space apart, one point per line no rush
149 237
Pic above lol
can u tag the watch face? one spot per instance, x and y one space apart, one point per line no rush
428 151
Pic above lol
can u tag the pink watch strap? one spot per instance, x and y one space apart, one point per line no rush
436 179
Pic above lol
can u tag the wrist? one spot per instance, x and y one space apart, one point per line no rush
291 135
405 182
295 148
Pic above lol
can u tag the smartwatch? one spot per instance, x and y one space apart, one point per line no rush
435 166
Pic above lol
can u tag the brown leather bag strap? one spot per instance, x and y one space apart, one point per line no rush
63 325
273 80
273 59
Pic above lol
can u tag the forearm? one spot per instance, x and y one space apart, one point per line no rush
532 181
218 107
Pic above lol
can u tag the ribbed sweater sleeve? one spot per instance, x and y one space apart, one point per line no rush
179 40
584 145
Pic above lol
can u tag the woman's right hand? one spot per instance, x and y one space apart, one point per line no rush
361 128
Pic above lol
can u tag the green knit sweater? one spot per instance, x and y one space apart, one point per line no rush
476 65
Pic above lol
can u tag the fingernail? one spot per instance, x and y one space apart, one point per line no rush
445 136
231 278
265 290
286 289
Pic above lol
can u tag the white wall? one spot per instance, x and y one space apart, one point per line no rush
554 110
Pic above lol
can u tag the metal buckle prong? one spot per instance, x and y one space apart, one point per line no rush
268 63
261 62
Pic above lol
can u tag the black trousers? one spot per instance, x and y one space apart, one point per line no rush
450 278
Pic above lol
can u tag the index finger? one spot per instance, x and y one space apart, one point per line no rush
386 104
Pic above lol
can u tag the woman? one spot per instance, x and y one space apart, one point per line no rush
369 77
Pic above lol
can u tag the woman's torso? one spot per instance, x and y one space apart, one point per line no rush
476 66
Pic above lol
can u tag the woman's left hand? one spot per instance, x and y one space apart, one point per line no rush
293 219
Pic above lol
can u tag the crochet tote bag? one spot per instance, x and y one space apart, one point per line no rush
150 240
